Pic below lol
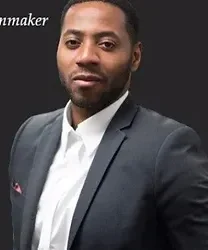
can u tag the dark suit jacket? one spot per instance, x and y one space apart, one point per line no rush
147 188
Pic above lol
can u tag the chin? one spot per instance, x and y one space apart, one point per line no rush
84 103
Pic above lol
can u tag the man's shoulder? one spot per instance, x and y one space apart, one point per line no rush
43 119
29 133
36 123
154 129
156 122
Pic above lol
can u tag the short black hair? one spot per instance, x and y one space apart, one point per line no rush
132 19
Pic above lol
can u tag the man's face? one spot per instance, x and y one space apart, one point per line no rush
95 56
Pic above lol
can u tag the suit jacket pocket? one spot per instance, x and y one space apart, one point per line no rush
17 198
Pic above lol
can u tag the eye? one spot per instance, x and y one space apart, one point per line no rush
72 43
107 45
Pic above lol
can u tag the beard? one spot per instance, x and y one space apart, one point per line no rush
115 88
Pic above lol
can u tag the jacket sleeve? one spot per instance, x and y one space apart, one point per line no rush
15 141
181 190
14 144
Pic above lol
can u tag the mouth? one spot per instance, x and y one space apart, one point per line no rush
87 80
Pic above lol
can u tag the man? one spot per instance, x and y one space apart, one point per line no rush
105 173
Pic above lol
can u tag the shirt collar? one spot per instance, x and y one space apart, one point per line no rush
92 129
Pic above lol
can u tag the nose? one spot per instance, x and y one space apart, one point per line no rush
87 55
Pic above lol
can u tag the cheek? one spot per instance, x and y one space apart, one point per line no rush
64 59
120 60
118 66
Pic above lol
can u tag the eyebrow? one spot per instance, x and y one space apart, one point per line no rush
96 35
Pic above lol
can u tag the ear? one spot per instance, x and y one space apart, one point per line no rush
136 56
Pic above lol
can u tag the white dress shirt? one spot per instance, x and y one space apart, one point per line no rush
67 175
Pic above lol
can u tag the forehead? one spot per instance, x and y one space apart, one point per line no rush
91 16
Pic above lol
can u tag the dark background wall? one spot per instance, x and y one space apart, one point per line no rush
172 79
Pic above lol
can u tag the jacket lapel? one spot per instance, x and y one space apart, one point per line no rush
43 158
112 139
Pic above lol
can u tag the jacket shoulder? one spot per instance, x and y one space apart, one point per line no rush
156 122
36 123
30 130
154 129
